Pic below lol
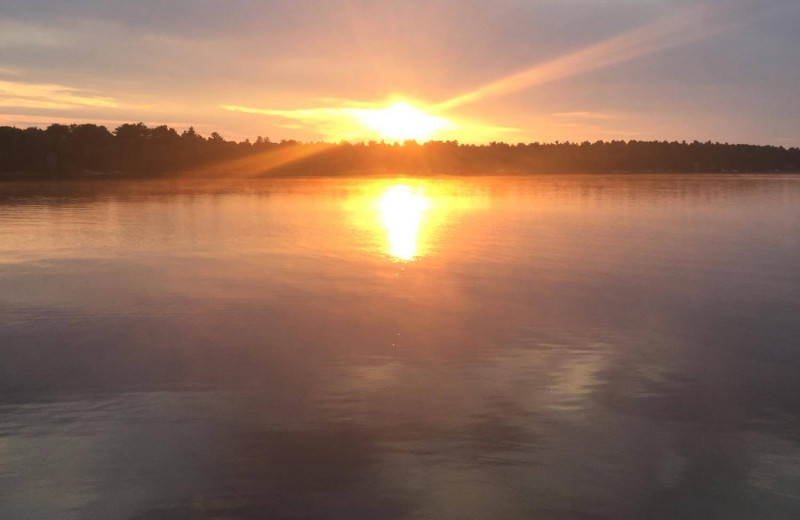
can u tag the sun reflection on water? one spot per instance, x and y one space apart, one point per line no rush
402 210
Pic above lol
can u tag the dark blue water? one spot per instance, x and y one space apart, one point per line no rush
548 347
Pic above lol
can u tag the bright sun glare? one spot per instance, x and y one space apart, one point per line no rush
401 121
402 209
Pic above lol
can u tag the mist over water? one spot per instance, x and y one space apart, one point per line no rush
548 347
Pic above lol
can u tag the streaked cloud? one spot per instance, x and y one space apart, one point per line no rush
49 96
15 33
8 71
583 115
332 122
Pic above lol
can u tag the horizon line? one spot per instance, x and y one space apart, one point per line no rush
402 142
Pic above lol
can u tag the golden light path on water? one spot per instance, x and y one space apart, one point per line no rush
402 210
406 219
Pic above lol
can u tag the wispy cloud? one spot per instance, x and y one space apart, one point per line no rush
16 33
7 71
584 115
50 96
302 114
586 131
338 122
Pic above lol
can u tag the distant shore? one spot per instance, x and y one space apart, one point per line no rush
91 151
92 177
35 177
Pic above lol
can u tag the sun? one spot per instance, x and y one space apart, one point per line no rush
401 121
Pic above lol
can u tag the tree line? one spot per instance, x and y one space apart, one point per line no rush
137 149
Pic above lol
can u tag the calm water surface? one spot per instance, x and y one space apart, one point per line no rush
541 348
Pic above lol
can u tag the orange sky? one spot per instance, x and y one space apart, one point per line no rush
510 70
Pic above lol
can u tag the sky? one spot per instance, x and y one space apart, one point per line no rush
500 70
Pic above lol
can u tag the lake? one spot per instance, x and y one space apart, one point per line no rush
548 347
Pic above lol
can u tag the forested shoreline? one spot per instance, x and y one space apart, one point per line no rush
139 150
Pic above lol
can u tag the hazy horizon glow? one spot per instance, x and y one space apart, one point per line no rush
513 71
396 121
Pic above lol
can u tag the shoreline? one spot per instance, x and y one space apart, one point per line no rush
189 176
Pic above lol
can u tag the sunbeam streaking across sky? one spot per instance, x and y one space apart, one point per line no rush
687 26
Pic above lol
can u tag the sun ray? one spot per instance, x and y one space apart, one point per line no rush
687 26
